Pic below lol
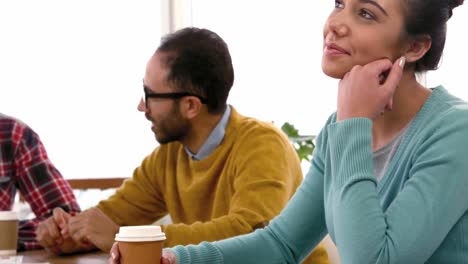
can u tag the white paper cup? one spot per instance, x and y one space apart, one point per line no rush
140 244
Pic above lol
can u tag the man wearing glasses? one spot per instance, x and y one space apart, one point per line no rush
217 173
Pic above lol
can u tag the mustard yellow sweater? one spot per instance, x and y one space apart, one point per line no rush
241 186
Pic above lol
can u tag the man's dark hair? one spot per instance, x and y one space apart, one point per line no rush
199 62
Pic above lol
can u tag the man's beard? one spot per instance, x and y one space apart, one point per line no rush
173 128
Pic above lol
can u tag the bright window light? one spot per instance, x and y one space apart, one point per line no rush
73 71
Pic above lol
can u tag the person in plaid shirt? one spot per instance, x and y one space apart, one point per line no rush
25 167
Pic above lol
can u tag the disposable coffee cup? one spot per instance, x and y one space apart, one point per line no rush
140 244
8 233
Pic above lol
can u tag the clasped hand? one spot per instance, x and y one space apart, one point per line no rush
363 92
64 233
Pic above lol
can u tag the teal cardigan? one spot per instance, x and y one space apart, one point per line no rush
417 213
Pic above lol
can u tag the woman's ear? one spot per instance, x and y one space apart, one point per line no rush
417 48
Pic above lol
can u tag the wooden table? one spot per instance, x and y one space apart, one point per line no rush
42 256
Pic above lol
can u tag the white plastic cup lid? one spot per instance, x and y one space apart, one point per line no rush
8 215
140 233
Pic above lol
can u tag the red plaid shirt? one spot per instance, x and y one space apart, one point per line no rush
25 166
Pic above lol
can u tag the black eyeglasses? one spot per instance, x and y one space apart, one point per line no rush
176 95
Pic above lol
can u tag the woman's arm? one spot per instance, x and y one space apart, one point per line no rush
431 201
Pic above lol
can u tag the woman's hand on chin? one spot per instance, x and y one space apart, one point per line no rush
364 92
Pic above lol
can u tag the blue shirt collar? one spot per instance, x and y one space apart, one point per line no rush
214 139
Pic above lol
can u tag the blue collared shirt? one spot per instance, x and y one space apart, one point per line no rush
215 138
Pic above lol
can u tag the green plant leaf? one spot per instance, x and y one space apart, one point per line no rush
303 144
290 130
305 152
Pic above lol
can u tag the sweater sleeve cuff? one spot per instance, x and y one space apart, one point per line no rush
350 143
203 253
